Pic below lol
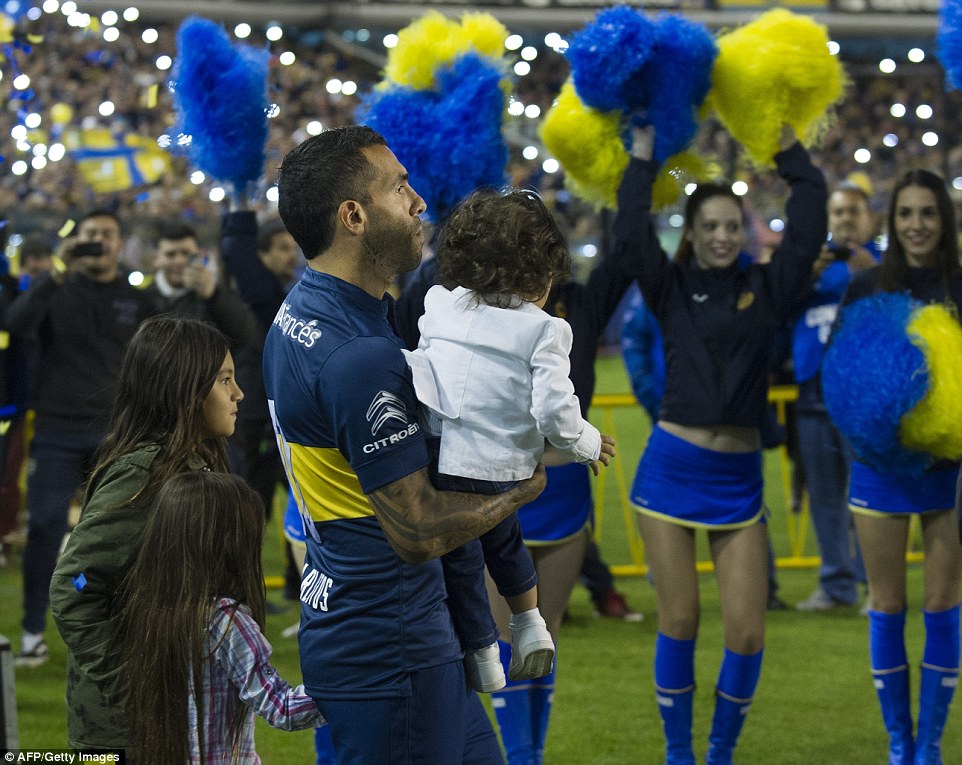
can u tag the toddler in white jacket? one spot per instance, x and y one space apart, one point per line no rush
492 371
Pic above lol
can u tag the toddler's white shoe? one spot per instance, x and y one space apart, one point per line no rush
532 649
485 672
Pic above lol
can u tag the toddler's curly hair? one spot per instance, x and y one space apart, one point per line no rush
504 246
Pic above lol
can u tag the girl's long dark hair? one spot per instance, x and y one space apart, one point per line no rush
894 268
202 542
167 373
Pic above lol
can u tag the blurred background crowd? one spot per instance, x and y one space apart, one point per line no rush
87 99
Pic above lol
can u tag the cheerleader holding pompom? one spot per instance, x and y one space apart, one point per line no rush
702 468
913 470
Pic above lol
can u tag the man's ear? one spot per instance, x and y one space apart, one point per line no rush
352 216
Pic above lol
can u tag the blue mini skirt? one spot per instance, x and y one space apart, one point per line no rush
563 509
871 492
691 486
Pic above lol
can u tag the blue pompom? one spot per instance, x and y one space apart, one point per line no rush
948 40
678 78
624 61
872 375
449 140
220 94
606 56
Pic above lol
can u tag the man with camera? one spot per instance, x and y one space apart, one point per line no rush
823 455
185 285
80 316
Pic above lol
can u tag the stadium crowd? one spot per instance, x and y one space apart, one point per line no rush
73 71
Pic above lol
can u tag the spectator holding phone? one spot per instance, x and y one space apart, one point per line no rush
80 316
185 285
823 455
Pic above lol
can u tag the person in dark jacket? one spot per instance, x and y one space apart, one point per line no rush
185 285
79 318
17 368
702 467
260 259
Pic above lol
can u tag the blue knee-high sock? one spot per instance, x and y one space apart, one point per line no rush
512 709
940 675
542 696
890 675
324 746
674 690
737 680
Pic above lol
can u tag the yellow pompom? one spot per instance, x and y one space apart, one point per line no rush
407 62
482 32
776 69
588 145
6 28
933 424
61 114
678 171
435 41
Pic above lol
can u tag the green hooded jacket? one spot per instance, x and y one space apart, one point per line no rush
84 597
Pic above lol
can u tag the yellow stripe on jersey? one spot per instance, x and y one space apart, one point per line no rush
328 485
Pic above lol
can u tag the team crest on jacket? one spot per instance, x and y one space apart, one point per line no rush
744 300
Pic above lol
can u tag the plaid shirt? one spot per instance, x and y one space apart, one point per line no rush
240 671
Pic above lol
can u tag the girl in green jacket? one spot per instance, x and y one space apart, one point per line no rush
176 404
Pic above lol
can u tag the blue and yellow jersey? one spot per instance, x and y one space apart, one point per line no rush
345 416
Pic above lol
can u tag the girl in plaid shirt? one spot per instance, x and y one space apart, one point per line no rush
197 662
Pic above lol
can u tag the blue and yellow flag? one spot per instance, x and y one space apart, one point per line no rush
112 161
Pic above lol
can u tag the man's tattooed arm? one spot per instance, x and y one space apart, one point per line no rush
422 523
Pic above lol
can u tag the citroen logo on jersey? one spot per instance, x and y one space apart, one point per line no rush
385 407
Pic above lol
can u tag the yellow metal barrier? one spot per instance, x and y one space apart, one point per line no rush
797 519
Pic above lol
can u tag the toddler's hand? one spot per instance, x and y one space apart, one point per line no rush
607 452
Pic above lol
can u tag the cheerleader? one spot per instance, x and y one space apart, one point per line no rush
922 259
702 468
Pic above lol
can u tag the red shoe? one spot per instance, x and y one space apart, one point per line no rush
613 605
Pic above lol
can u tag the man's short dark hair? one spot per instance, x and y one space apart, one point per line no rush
99 212
174 231
319 174
266 232
35 245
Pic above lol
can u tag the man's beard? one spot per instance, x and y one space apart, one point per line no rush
393 246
